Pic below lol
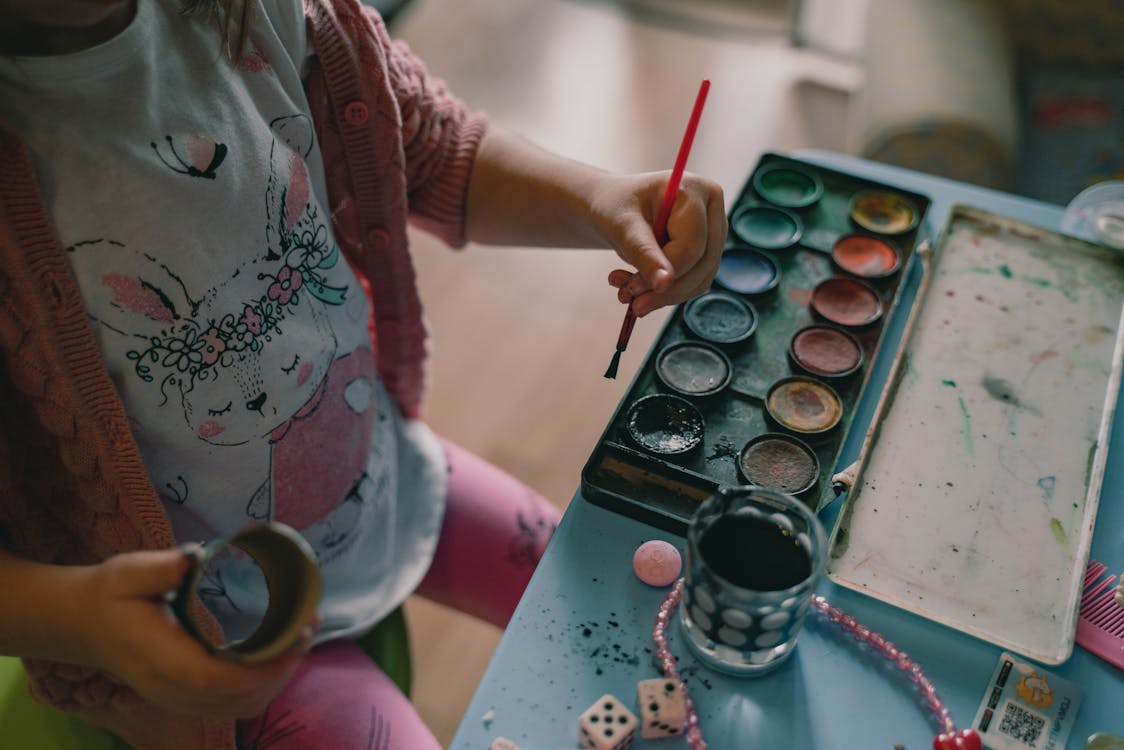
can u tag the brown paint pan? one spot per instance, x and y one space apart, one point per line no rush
779 461
846 302
826 351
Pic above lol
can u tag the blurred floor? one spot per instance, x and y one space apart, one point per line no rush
521 337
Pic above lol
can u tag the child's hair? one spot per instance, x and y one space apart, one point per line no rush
232 18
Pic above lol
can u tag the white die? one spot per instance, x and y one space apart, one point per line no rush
503 743
663 711
606 725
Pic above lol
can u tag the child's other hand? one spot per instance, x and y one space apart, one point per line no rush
626 208
131 635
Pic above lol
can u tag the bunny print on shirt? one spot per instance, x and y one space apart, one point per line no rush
245 402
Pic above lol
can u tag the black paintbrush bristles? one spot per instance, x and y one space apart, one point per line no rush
611 373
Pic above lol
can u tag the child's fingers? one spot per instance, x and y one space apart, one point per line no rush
619 277
149 573
694 282
639 247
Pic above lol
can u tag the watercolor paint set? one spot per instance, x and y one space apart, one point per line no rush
756 380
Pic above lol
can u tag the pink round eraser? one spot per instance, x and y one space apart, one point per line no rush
657 563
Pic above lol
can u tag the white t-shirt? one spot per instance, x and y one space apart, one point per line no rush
190 196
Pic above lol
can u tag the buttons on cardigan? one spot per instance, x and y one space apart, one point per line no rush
379 238
356 113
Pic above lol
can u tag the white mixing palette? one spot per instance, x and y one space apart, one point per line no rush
979 482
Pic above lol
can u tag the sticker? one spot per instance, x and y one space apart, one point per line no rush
1026 708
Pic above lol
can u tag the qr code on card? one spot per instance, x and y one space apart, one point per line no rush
1021 724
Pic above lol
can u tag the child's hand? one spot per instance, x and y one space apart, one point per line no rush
131 635
626 207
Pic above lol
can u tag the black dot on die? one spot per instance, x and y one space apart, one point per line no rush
622 719
653 706
594 719
608 731
669 687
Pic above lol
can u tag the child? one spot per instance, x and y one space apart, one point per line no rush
208 318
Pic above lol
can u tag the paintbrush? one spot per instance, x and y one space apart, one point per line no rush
660 226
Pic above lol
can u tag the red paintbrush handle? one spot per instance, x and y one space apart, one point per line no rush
669 194
672 190
626 329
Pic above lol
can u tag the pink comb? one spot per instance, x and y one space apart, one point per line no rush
1100 620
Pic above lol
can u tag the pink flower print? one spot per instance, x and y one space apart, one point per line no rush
213 345
296 197
251 320
288 282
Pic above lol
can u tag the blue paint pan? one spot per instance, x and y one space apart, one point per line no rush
747 271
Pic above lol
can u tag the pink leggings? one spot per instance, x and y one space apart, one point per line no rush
494 533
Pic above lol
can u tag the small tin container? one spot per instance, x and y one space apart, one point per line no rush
866 256
767 227
778 461
884 212
804 406
747 271
720 318
787 186
693 369
665 425
846 302
826 352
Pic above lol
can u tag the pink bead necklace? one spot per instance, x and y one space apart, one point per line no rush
948 739
667 663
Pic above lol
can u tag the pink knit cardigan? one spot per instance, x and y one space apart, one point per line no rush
397 147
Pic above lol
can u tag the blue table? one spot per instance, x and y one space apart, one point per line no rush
583 626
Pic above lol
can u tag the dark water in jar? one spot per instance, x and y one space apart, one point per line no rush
754 553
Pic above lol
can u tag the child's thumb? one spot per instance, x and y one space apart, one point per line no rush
639 247
153 572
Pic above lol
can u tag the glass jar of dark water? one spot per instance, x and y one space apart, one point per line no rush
754 558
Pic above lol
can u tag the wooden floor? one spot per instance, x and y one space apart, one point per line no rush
521 337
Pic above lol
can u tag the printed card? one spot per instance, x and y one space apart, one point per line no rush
1026 708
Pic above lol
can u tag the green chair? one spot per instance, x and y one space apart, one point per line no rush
26 724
